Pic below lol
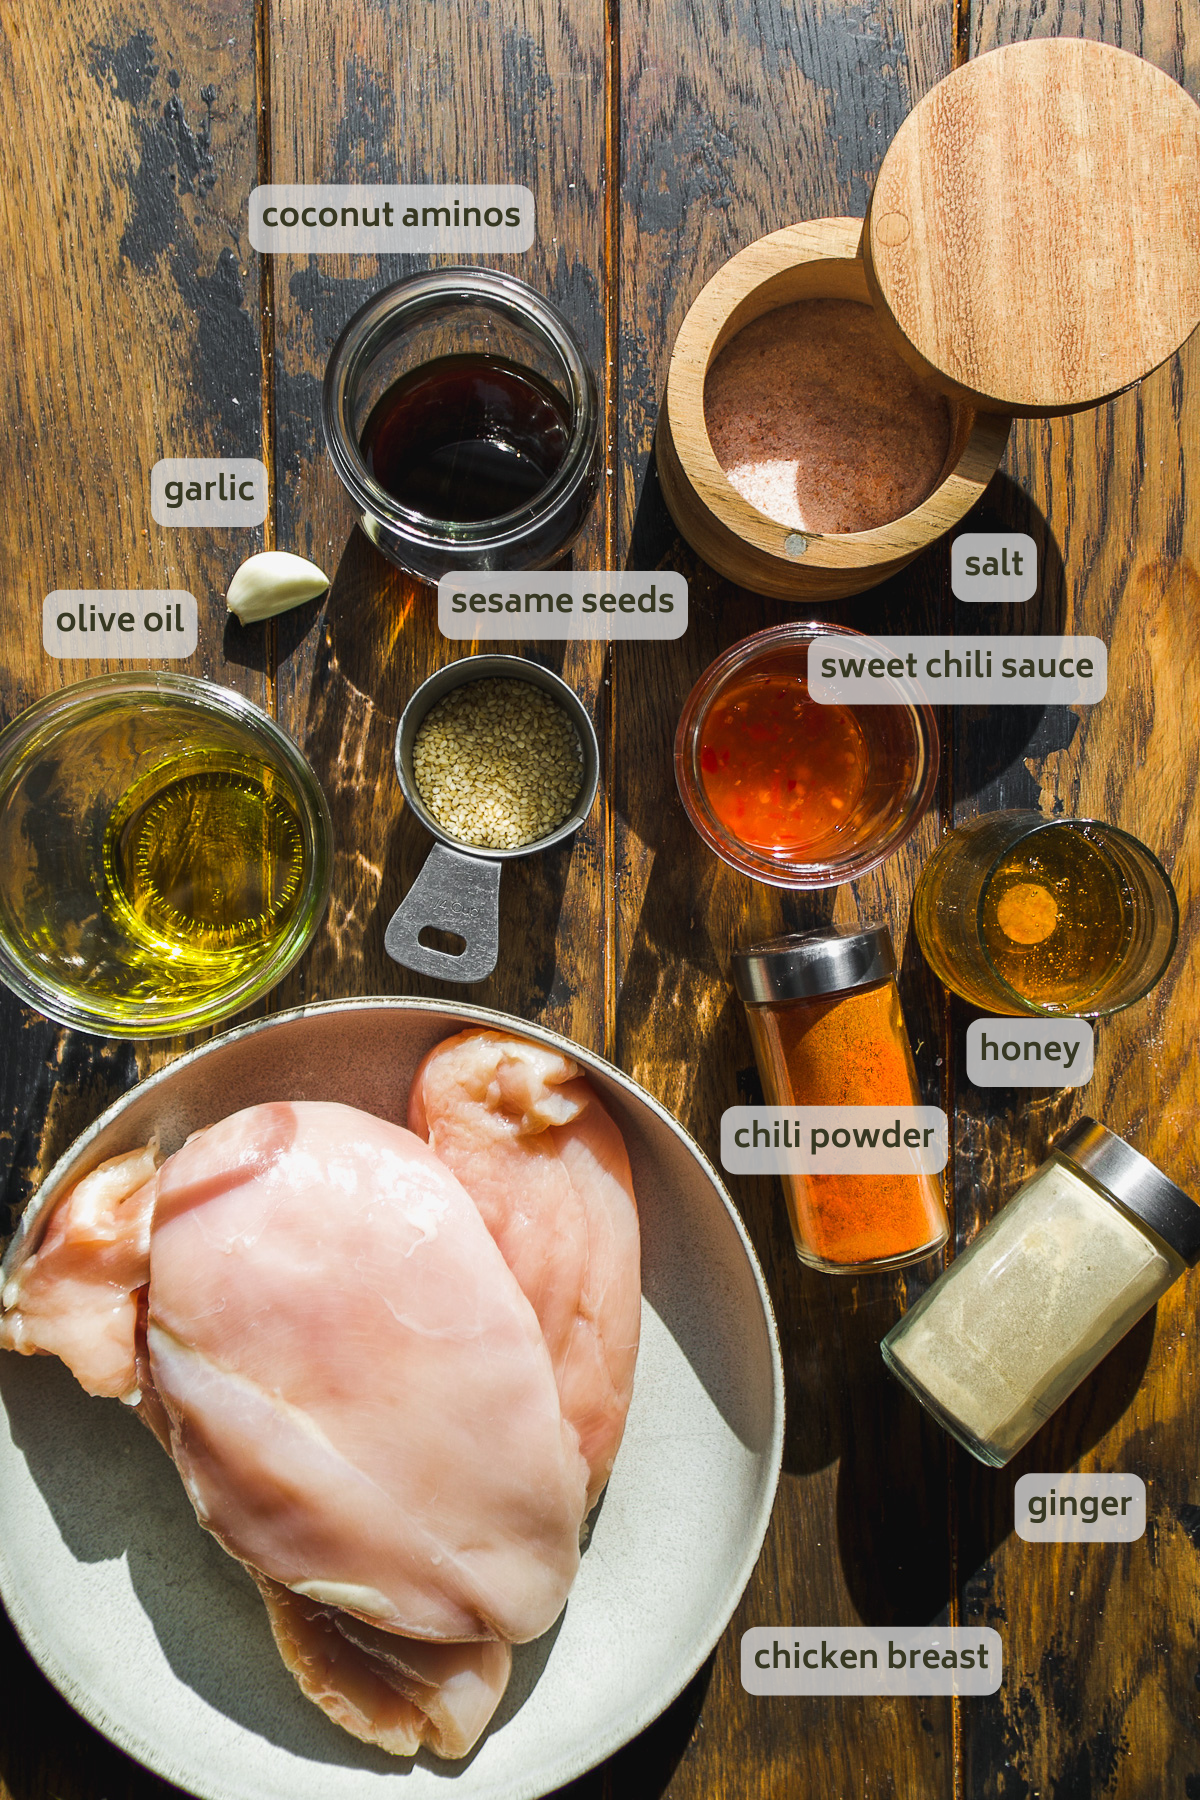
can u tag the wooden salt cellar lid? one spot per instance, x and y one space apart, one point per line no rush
1033 239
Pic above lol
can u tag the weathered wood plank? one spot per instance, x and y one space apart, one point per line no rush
733 124
132 328
129 335
511 93
1099 1696
130 332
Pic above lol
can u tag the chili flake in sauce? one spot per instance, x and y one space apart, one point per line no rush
781 772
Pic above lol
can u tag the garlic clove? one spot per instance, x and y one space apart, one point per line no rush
273 582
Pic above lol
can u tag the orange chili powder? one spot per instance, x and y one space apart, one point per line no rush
848 1049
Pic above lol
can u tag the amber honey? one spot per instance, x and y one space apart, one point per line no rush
1056 918
1018 913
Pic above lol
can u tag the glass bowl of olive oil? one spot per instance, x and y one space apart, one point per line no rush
165 854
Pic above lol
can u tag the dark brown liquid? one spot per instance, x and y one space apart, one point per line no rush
466 437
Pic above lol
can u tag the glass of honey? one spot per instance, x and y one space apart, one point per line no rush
464 421
1023 914
165 854
791 791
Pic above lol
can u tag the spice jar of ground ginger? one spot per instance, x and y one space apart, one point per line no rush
824 1014
1081 1251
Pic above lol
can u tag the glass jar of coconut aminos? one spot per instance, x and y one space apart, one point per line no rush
463 420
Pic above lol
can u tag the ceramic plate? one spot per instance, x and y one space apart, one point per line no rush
160 1640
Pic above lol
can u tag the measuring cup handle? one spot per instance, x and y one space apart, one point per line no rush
452 893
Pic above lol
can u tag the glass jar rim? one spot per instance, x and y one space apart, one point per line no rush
830 872
408 300
1039 824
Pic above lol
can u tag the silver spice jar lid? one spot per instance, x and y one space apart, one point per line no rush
808 963
1137 1183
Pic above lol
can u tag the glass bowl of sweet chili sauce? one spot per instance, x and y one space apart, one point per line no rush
791 791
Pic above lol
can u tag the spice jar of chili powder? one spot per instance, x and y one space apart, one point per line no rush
824 1014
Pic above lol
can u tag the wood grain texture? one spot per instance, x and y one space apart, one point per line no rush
734 125
1100 1640
1032 241
130 332
128 335
135 321
512 93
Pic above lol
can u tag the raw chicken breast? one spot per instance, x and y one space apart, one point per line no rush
548 1170
361 1403
74 1297
393 1399
392 1691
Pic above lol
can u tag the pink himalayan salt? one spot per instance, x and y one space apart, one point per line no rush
819 424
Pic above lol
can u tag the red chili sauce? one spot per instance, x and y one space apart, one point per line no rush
781 772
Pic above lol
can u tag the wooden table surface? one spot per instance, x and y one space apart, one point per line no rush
658 136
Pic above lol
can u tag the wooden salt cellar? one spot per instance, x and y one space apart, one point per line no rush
817 260
1032 247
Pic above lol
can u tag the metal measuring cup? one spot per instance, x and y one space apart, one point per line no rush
458 888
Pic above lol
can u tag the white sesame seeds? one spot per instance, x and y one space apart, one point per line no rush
498 763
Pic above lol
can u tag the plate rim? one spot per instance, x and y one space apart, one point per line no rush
37 1212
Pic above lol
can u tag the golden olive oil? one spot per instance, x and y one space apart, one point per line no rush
1057 917
203 869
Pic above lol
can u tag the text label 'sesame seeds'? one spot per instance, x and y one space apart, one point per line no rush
556 603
